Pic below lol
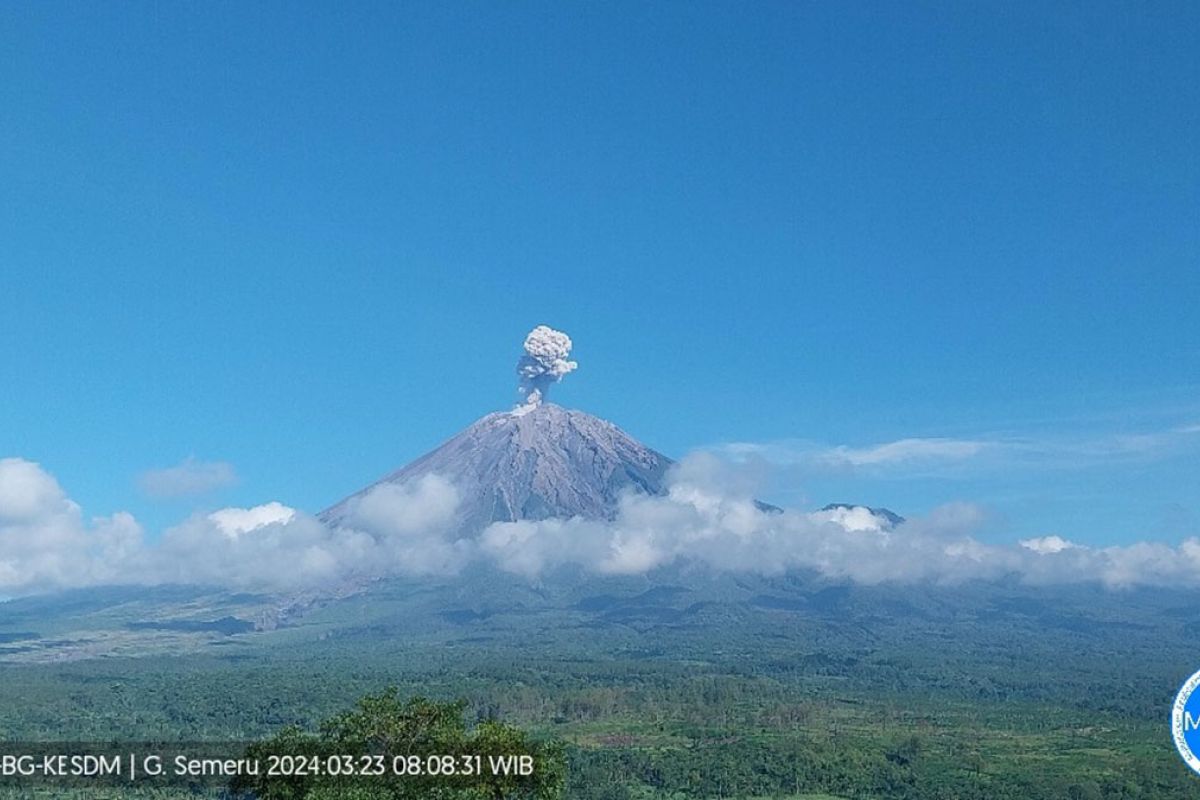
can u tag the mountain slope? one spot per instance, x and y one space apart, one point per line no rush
545 462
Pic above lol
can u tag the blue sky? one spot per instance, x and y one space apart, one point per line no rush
306 241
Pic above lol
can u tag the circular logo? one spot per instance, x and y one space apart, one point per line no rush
1185 722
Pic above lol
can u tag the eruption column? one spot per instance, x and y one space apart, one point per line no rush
545 362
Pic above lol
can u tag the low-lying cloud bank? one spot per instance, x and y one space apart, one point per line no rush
709 517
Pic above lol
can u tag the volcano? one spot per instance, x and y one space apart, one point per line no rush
540 462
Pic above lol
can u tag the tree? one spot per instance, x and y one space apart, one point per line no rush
402 749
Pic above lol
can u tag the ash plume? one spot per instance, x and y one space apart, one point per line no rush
545 362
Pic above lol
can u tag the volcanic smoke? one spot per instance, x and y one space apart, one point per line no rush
545 362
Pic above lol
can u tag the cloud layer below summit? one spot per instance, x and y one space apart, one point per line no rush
708 517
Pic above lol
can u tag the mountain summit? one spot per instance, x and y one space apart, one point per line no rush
541 462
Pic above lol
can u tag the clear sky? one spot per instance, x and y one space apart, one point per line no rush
305 240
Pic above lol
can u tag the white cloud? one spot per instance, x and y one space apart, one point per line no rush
700 522
853 518
694 523
413 528
235 521
406 511
923 454
708 517
1047 544
907 450
392 530
45 542
292 551
187 478
900 452
29 493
